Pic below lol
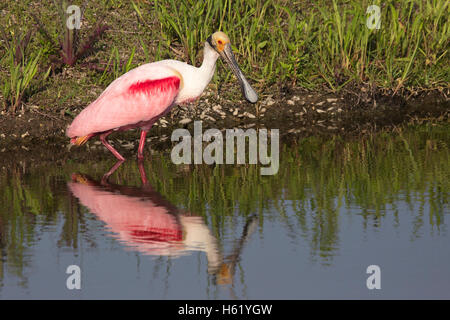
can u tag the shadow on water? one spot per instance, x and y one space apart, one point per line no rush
327 195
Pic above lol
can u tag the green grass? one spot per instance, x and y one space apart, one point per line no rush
308 44
325 43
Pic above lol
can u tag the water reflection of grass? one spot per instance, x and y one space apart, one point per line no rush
318 179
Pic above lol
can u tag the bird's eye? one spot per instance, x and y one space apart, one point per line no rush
219 42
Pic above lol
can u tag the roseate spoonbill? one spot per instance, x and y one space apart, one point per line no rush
143 220
139 97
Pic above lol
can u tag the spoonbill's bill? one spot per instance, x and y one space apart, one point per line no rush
141 96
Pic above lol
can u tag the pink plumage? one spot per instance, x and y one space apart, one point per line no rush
137 99
128 100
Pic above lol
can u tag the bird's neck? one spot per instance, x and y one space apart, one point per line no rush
209 62
196 82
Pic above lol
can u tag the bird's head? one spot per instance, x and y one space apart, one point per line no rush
221 43
218 40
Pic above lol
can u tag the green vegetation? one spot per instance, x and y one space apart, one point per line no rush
19 82
300 43
22 68
319 180
70 47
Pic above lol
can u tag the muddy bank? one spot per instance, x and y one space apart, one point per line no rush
37 135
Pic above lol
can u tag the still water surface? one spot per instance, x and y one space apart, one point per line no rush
161 231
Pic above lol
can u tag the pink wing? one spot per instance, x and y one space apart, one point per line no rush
139 95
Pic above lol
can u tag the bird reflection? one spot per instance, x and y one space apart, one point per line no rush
145 221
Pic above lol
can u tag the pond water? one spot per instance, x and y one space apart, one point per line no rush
162 231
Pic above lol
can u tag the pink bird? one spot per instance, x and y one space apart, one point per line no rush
141 96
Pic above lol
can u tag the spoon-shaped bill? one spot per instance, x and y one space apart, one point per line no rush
247 90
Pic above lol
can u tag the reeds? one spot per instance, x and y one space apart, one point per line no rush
21 67
311 44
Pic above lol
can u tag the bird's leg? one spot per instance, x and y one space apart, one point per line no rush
142 172
141 144
110 147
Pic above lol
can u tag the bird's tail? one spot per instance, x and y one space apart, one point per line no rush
78 141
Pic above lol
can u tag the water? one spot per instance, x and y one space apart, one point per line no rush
160 231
